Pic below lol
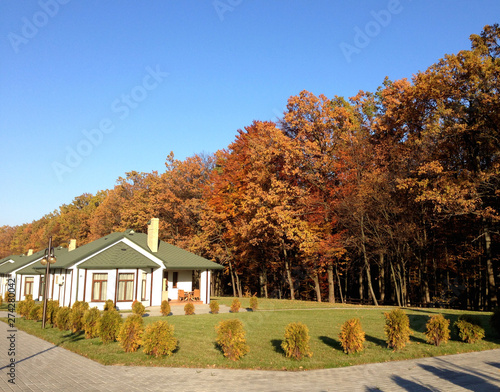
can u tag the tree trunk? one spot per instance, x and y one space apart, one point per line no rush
331 286
232 279
396 288
339 284
317 287
381 277
263 283
360 281
492 292
289 279
367 264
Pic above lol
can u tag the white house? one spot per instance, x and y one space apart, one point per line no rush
123 267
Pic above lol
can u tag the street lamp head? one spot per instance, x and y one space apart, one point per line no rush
43 261
52 259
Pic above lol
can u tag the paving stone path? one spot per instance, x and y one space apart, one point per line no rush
41 366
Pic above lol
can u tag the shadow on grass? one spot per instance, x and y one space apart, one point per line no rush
276 343
379 342
417 340
335 344
73 337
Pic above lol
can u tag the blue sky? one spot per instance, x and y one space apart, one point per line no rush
90 90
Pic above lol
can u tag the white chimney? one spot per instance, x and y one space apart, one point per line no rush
72 245
30 252
153 226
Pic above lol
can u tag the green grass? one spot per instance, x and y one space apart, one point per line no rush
265 332
280 304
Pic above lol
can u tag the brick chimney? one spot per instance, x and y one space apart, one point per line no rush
72 245
153 226
30 252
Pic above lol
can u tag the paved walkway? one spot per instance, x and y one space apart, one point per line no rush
41 366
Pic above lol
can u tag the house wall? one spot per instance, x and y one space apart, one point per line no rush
157 287
184 282
205 280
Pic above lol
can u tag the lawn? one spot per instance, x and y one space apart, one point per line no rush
265 331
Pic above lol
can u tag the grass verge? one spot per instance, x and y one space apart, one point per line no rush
265 331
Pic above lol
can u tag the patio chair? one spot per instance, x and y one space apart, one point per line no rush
196 295
181 295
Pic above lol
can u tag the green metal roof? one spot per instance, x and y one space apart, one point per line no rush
119 255
32 264
171 256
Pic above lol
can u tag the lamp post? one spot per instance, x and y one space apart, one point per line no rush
47 260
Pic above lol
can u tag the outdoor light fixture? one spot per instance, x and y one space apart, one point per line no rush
47 260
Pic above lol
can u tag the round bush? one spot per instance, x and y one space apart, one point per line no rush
158 339
235 305
254 303
397 329
91 323
352 336
189 309
231 339
130 334
469 332
296 342
138 308
36 313
438 330
214 307
62 318
109 326
109 305
165 308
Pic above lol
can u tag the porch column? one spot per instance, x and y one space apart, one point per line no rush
205 286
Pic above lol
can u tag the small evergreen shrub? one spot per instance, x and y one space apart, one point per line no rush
25 307
495 321
130 334
352 336
469 332
36 313
159 340
214 307
109 326
165 308
91 323
138 308
62 318
296 342
109 305
76 319
235 305
397 329
254 303
231 339
1 300
438 330
189 309
52 309
29 297
6 296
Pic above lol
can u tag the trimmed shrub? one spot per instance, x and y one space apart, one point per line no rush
29 297
6 296
109 326
352 336
438 330
254 303
91 323
76 316
159 340
109 305
1 300
130 335
214 307
36 313
469 332
231 339
25 307
495 321
235 305
165 308
189 309
138 308
397 329
296 342
62 318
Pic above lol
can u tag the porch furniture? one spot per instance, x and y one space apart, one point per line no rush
181 295
196 295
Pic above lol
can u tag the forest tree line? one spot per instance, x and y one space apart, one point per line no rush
389 197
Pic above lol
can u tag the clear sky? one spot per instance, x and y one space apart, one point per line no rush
90 90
